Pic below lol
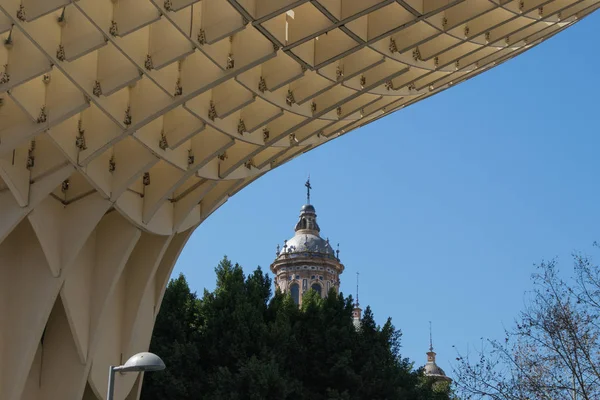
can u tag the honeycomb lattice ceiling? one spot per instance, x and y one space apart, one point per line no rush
167 107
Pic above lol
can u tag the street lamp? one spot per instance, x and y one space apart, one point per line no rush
140 362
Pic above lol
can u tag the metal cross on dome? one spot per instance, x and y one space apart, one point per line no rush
308 187
430 338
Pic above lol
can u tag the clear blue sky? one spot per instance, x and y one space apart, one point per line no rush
445 206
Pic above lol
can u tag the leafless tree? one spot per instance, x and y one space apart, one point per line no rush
553 349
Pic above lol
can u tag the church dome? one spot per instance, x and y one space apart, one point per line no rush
432 369
307 240
307 243
307 261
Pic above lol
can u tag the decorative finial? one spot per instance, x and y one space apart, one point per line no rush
357 303
278 250
308 187
337 252
430 338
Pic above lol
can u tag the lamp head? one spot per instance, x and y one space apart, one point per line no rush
142 362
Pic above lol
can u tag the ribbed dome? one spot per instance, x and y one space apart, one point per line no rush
307 239
307 242
431 368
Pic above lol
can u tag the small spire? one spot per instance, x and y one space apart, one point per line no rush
337 252
357 303
308 187
430 338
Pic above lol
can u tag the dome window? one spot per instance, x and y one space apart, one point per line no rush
295 293
317 288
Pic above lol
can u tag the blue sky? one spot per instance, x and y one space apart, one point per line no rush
445 206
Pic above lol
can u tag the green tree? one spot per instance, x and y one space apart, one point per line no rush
245 343
234 341
176 338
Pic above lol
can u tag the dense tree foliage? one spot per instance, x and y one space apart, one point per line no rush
552 352
239 342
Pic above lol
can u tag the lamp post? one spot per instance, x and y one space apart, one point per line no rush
140 362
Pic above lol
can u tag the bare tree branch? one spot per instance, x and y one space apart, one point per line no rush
553 350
